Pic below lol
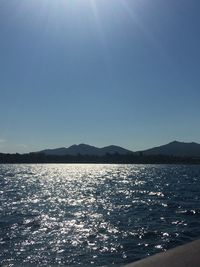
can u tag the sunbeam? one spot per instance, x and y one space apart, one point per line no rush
144 28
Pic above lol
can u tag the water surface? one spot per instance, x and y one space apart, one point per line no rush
95 215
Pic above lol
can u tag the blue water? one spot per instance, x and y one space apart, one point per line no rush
95 215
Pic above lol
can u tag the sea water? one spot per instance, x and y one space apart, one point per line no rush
95 215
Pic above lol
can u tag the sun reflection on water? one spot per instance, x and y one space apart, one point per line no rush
78 214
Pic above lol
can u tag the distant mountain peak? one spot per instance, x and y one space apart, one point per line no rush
183 143
80 145
175 148
85 149
175 142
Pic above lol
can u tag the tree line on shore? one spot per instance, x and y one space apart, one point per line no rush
133 158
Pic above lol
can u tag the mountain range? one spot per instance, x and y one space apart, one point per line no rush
84 149
174 148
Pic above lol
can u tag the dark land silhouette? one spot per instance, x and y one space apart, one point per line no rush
108 158
84 149
172 153
175 148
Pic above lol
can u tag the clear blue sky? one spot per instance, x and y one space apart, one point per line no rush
124 72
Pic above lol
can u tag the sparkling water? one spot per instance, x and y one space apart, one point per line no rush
94 214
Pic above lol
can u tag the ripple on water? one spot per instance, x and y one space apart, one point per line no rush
95 214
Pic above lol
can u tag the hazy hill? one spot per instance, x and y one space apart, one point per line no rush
84 149
175 148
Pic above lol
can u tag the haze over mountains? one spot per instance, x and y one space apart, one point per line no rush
174 148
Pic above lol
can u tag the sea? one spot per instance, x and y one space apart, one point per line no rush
95 214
